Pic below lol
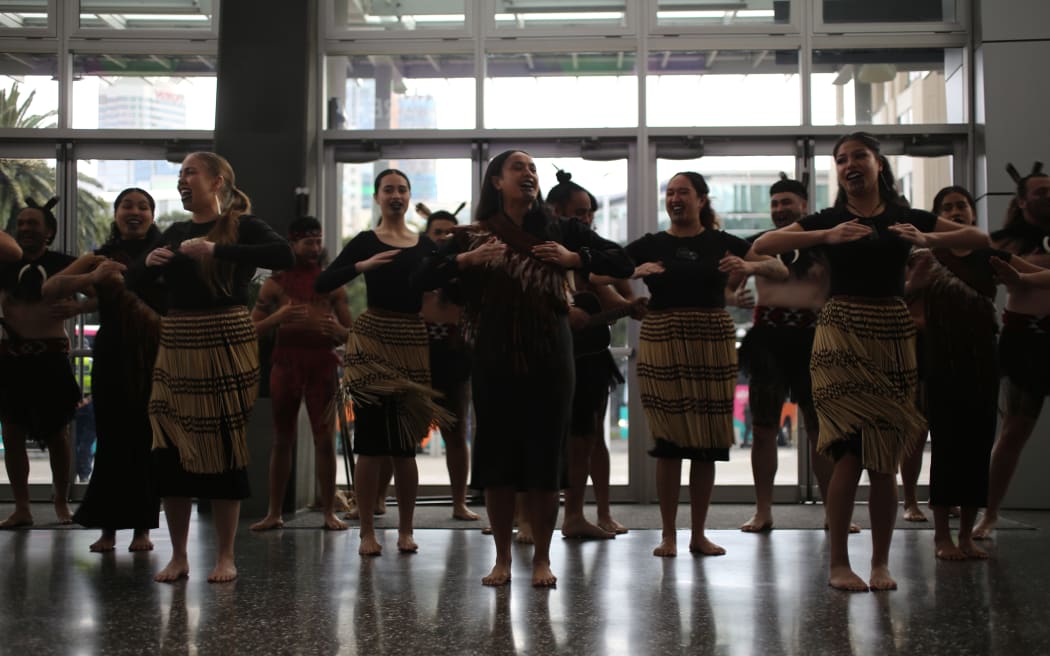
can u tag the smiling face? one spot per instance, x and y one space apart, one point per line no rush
133 216
857 167
682 202
198 186
785 208
32 231
308 249
517 182
956 207
392 195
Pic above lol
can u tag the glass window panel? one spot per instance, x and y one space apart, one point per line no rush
144 92
524 14
886 87
724 88
29 90
23 14
895 11
407 92
147 14
918 178
561 90
403 15
682 13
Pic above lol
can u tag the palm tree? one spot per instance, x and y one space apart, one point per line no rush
20 178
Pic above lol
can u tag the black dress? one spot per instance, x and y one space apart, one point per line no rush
121 493
523 374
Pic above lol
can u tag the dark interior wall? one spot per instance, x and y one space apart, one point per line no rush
263 102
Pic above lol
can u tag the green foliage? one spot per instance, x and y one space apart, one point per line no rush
20 178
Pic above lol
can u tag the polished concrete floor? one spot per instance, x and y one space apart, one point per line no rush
305 591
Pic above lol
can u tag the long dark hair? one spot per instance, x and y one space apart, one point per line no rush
887 187
707 213
379 181
560 194
952 189
491 201
114 231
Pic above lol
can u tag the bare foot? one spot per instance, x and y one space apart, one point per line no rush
759 523
578 528
984 528
668 548
380 508
267 523
107 542
972 550
500 575
524 535
369 546
352 514
844 578
881 579
612 526
405 543
486 530
141 542
464 513
224 572
946 550
913 514
177 568
542 576
18 519
703 546
853 528
333 523
62 511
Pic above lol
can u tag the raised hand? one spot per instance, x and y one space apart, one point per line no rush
487 252
555 253
847 232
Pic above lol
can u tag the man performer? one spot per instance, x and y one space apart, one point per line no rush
303 366
776 351
1024 343
38 392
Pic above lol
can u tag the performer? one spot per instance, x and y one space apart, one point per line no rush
121 492
775 353
304 366
511 267
206 374
387 367
1024 345
687 365
596 374
951 293
863 364
449 367
38 392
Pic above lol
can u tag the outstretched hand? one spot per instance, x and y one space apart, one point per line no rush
648 269
910 233
554 253
488 251
733 264
1007 274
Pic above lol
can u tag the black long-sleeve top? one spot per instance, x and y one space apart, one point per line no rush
597 254
872 267
388 285
257 246
691 278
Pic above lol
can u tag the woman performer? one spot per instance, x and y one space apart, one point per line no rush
863 363
206 374
120 494
449 367
511 266
951 293
596 374
687 366
387 368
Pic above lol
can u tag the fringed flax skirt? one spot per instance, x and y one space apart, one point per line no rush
864 379
205 381
386 373
687 370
